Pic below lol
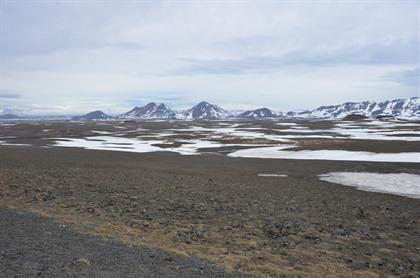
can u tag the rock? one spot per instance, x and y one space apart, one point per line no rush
47 196
399 270
90 210
361 213
354 117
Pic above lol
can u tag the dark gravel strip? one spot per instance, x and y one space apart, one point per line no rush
31 246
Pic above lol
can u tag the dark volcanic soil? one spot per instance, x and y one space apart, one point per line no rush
375 146
32 246
218 209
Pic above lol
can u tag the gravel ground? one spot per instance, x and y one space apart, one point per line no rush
208 206
32 246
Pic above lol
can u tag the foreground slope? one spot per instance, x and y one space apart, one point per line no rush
221 210
33 246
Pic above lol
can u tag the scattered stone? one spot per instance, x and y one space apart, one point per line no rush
90 210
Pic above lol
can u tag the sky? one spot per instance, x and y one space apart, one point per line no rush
70 57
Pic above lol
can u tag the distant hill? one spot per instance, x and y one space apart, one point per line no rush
150 111
205 110
258 114
408 109
9 117
93 116
202 110
398 108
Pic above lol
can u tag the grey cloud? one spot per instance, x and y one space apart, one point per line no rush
381 53
407 78
37 28
126 45
7 94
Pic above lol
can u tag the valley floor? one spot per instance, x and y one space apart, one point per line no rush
195 209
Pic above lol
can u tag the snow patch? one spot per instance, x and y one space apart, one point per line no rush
398 184
273 175
137 145
2 143
279 153
109 143
101 132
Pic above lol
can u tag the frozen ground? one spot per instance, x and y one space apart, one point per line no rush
241 214
399 184
257 139
280 153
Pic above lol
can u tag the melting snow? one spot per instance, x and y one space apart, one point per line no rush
101 132
273 175
279 153
109 143
279 150
398 184
13 144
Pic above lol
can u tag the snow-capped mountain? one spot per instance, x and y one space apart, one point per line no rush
93 116
258 113
399 108
150 111
204 110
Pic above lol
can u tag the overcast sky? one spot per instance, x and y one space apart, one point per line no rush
73 56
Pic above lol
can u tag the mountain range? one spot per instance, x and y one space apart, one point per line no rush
398 108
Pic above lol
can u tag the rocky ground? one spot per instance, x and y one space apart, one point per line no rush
32 246
202 211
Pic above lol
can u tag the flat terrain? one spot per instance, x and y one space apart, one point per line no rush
205 211
34 246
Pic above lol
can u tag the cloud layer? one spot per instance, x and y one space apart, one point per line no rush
69 57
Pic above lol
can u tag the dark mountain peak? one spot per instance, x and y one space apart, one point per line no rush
96 112
205 110
96 115
152 110
150 105
355 117
258 113
203 104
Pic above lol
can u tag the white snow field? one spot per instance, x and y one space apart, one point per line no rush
273 142
401 184
137 145
109 143
280 153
